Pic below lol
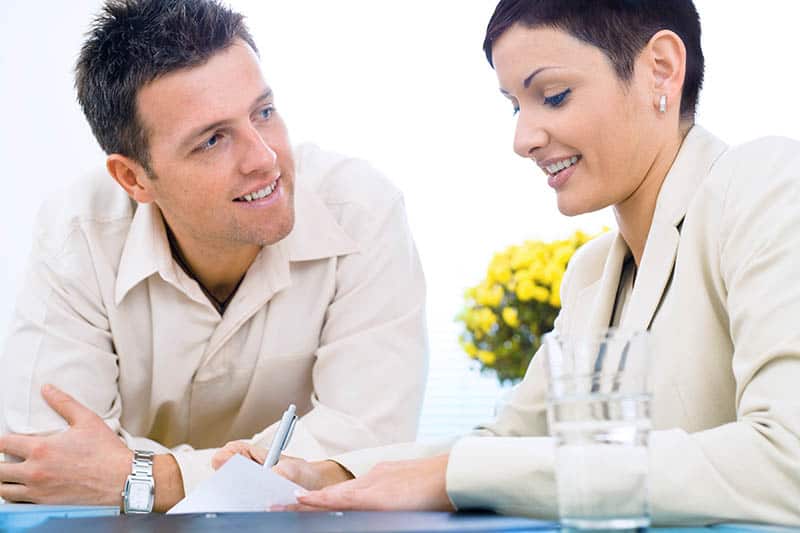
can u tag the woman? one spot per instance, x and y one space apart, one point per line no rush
705 257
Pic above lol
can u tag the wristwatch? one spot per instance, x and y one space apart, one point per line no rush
139 492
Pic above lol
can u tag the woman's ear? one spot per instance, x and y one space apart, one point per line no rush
666 64
131 176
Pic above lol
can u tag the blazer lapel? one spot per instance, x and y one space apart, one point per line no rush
599 297
654 274
697 155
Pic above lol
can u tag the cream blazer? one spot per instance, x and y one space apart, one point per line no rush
719 289
331 318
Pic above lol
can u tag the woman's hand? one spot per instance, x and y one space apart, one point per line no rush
417 485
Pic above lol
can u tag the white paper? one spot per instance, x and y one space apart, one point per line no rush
241 485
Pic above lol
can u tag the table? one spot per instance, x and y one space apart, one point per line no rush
377 522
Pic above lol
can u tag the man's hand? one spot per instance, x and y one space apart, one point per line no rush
312 476
417 485
86 464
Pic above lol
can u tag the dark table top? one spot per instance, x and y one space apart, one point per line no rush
295 522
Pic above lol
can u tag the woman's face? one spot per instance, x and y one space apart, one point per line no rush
594 136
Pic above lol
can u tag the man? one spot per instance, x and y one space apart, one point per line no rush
226 277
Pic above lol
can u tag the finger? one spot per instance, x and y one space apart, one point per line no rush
258 454
296 507
340 497
19 445
68 407
12 473
220 458
12 492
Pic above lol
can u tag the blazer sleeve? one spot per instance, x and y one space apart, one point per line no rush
745 470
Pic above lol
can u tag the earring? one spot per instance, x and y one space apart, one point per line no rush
662 103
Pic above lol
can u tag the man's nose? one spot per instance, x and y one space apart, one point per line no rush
258 155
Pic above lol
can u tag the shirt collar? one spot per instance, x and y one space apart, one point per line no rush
316 235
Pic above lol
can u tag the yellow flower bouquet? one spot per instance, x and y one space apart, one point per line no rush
508 312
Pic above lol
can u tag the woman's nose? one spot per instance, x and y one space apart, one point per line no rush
529 135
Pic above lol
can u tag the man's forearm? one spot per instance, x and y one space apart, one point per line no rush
169 482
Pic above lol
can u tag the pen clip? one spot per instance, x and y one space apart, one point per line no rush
285 442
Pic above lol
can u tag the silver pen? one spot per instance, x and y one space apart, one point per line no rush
282 436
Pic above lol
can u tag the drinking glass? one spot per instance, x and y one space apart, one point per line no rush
598 410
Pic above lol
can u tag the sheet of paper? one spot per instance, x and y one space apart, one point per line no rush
239 486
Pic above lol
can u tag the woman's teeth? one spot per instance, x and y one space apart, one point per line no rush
561 165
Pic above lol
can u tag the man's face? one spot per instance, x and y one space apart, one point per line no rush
222 167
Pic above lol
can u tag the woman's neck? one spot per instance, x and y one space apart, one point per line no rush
635 214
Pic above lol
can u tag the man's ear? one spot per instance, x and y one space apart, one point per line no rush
667 65
131 176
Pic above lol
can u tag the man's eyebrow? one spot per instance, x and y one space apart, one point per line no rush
214 125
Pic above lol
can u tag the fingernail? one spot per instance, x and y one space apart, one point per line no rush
47 388
277 508
299 493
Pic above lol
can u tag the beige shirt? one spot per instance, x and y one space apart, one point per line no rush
331 318
718 287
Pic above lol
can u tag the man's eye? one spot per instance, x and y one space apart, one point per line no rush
558 99
211 142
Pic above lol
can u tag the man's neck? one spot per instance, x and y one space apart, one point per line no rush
219 271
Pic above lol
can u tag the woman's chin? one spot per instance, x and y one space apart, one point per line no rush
572 208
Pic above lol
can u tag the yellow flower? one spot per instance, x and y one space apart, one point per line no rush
490 296
511 317
540 294
470 348
487 358
495 296
499 269
525 290
486 319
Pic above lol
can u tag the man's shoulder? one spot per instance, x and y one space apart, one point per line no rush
93 203
344 182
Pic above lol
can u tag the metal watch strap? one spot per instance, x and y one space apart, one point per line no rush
141 471
142 465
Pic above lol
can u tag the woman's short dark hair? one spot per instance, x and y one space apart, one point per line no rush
620 28
133 42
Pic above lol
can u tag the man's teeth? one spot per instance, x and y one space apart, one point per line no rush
561 165
266 191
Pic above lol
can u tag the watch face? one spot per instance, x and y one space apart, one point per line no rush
139 496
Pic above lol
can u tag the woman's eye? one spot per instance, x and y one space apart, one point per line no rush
557 99
267 112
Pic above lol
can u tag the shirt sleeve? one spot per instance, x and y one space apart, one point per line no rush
371 364
60 334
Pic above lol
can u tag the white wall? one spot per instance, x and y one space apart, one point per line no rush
403 84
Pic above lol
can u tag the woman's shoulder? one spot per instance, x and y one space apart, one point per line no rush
760 160
757 174
586 266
